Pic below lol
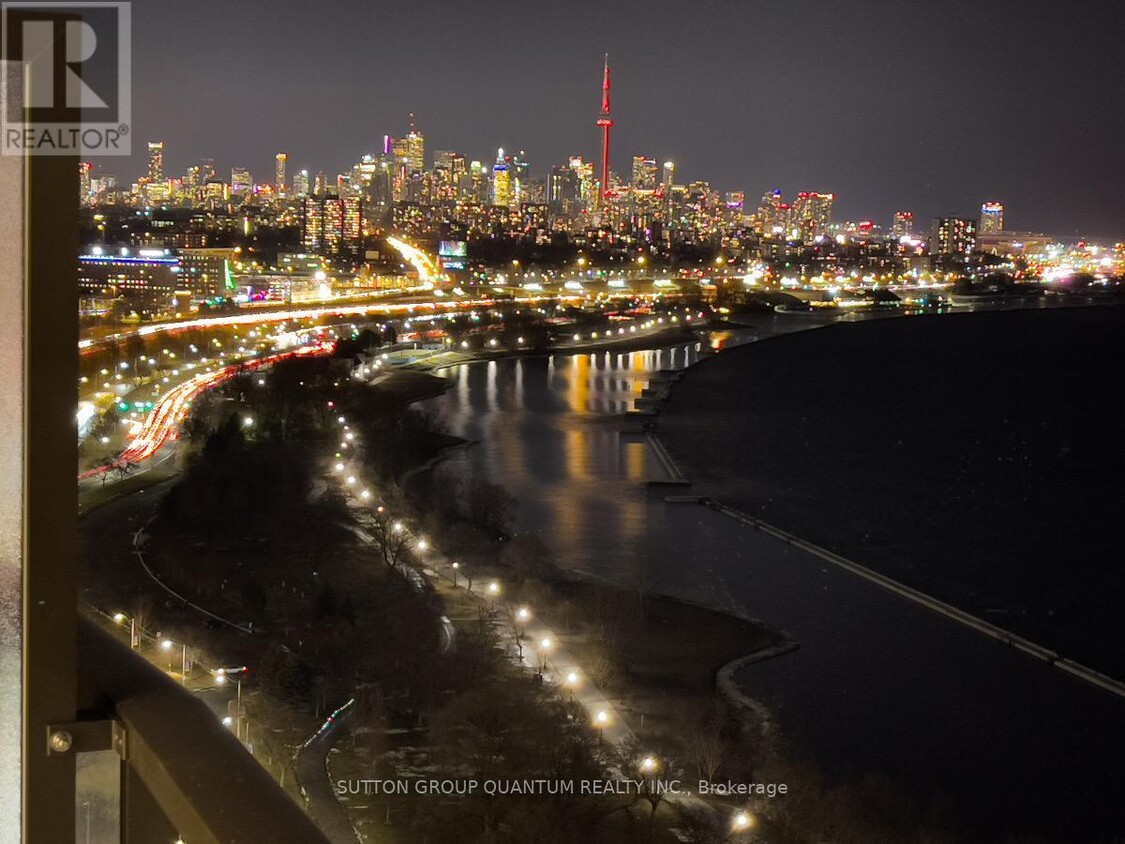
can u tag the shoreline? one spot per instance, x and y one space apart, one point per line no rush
947 606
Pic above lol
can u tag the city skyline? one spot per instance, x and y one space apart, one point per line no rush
816 96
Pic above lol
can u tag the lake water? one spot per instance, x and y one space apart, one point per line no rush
878 684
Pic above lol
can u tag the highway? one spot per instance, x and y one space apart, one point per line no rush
161 426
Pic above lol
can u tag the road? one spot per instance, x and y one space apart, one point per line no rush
161 426
316 783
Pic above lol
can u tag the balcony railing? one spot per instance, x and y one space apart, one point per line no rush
183 776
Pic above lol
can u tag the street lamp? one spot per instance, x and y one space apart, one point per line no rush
119 618
648 764
545 645
742 821
523 614
455 567
601 721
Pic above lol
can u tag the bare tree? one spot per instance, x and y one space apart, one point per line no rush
705 747
391 538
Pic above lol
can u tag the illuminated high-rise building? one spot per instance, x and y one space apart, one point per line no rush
279 162
644 173
320 183
501 180
332 225
521 177
584 170
991 218
811 212
84 170
301 183
903 225
449 167
669 174
953 237
156 161
562 188
415 148
770 213
241 183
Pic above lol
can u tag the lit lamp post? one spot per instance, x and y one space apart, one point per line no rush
742 822
601 721
493 593
455 567
167 645
220 679
120 618
571 681
545 645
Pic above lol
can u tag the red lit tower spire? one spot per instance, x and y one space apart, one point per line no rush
605 121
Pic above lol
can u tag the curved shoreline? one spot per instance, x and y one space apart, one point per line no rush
950 611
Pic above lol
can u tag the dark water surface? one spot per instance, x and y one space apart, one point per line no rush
879 684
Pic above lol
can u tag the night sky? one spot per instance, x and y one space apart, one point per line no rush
930 106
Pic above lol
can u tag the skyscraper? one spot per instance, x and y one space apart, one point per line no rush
84 169
501 180
156 161
279 162
332 225
415 148
769 213
811 212
903 225
953 237
241 183
991 218
301 183
644 173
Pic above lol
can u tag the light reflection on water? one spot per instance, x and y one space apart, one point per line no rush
879 685
549 429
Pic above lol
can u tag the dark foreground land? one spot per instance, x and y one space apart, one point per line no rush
976 457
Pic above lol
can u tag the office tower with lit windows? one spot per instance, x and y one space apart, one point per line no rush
584 170
415 148
644 173
501 180
811 212
770 213
301 183
279 162
449 167
953 237
156 161
991 218
521 177
241 183
903 225
84 170
332 225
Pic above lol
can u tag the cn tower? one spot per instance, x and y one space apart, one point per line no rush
606 122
